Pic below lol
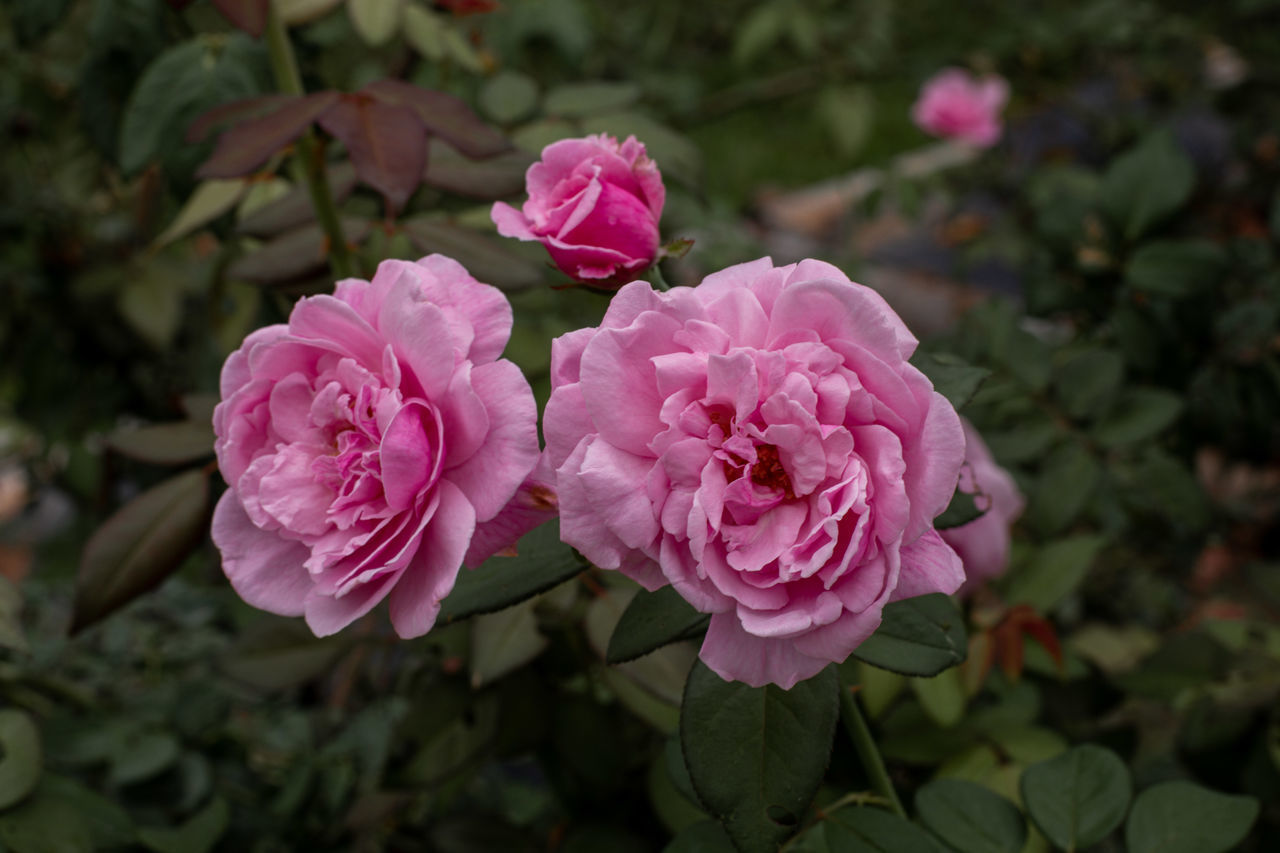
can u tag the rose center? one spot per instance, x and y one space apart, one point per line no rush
768 471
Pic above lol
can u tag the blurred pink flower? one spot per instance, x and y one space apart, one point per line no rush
983 544
956 105
364 440
594 205
761 443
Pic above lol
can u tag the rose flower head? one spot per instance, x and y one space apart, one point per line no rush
956 105
983 544
761 443
365 440
594 204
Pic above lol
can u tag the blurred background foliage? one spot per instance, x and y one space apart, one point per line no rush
1112 264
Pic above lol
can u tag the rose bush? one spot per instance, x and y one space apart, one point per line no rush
594 204
761 443
983 544
956 105
364 440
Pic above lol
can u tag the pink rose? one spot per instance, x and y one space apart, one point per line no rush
983 544
364 440
956 105
761 444
594 204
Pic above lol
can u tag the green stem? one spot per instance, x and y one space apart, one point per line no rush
308 165
656 278
868 754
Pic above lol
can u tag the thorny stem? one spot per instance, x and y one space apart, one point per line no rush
308 165
868 754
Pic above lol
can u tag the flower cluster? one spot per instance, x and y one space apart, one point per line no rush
760 442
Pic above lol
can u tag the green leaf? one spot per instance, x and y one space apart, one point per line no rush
165 444
848 112
504 641
1140 414
1078 798
756 755
210 200
375 21
759 31
860 829
1066 481
182 83
1054 573
917 636
485 256
107 822
197 835
962 510
11 634
1182 817
706 836
20 758
652 620
424 31
143 756
1087 382
971 818
45 824
509 97
1174 269
952 376
151 303
583 99
1146 184
541 562
280 654
140 545
942 696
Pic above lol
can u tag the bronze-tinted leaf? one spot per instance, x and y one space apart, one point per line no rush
140 545
490 179
444 116
386 143
486 257
294 208
294 254
245 147
247 15
231 112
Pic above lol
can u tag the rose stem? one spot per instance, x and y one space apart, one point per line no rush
308 166
856 726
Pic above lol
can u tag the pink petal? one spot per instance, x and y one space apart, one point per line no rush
928 565
735 655
264 569
430 575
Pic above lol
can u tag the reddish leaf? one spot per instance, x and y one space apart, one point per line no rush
245 147
247 15
231 112
491 179
386 143
294 254
1009 649
294 208
445 116
1042 631
462 8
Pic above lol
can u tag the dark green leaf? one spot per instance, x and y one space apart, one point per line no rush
1174 269
509 96
1078 798
140 545
1066 480
952 376
182 83
279 654
165 444
971 818
491 178
962 510
1146 184
1182 817
756 755
652 620
1140 414
1087 382
869 830
45 824
142 756
1054 573
20 759
108 823
486 257
706 836
541 562
33 19
197 835
581 99
917 636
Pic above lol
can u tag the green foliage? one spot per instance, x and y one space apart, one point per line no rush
1181 817
971 818
917 636
1078 798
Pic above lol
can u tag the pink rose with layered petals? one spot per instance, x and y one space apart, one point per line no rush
761 443
594 204
983 544
956 105
364 440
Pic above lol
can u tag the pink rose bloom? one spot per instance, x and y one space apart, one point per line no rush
983 544
594 204
956 105
364 440
761 444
